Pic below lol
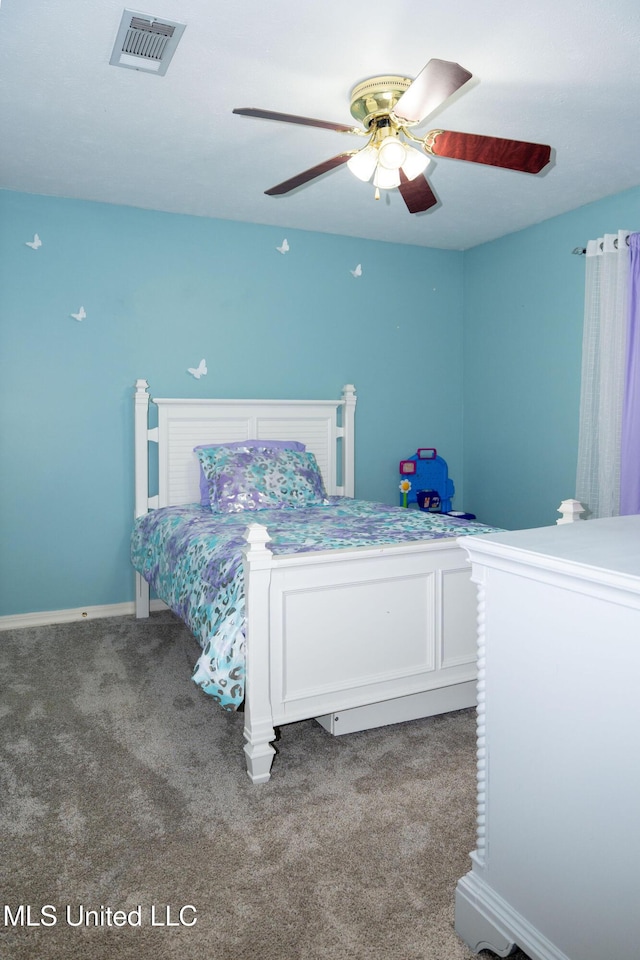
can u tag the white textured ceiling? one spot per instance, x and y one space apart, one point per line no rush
554 71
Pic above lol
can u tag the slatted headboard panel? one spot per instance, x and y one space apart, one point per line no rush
322 425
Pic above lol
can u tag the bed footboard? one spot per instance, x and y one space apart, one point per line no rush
336 630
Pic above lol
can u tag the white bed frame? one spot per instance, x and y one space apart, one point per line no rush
357 637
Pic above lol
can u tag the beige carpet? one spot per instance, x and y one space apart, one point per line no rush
124 786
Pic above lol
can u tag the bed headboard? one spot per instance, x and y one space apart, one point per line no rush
326 427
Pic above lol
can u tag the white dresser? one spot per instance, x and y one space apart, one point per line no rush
556 869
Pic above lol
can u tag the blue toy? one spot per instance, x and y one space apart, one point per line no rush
428 475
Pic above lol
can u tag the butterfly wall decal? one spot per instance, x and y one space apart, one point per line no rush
199 371
35 243
357 272
80 315
285 246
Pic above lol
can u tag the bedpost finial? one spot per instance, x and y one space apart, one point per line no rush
571 511
141 386
256 538
256 533
348 390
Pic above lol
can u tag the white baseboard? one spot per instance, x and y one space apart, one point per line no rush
46 617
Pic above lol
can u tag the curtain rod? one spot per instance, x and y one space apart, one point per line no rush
582 250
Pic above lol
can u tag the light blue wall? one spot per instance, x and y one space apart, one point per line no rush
161 292
523 305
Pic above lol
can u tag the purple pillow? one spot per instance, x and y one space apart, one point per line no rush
237 445
261 478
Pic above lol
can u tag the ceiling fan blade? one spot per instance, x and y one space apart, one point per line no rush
307 175
494 151
417 194
292 118
433 85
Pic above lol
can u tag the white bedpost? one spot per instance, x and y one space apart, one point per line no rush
141 474
348 441
571 511
258 715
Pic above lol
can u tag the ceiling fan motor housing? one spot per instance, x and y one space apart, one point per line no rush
377 97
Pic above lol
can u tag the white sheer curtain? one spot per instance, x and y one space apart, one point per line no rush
603 374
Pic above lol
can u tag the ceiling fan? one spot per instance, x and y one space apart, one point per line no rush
388 106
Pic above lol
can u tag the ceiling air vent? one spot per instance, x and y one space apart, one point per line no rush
145 42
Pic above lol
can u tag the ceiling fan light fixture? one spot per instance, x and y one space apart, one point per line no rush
363 163
391 153
386 179
414 164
